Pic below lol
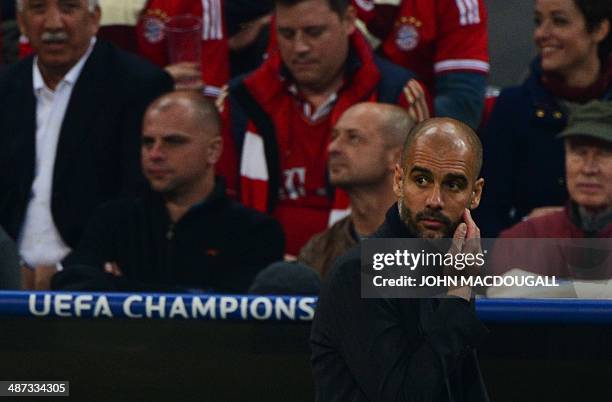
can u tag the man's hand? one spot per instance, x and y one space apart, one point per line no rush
37 278
415 94
537 212
113 269
27 278
186 75
466 240
43 275
289 258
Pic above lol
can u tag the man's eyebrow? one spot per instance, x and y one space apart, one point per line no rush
456 176
558 13
418 169
167 135
312 26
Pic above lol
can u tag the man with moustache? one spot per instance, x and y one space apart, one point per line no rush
70 119
408 349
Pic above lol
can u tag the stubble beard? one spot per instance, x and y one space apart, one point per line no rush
410 220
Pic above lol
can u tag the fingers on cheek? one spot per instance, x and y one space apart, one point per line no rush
409 96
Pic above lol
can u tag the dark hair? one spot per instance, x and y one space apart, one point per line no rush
595 12
337 6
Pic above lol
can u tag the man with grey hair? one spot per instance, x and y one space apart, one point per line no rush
366 144
70 121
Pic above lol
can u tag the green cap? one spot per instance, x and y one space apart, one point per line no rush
593 119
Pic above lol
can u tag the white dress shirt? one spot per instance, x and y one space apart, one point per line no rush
39 241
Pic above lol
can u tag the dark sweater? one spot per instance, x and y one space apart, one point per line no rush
218 245
392 349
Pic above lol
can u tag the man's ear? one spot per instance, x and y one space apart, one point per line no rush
215 148
477 193
398 180
602 30
349 19
393 157
96 16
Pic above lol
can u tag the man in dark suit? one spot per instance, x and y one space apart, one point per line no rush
70 122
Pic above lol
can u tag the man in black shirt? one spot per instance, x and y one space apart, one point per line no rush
185 233
408 349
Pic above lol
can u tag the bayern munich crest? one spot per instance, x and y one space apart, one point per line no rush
366 5
153 30
407 37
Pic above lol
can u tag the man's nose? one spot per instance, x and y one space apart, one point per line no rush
156 152
53 18
590 165
334 147
300 43
434 199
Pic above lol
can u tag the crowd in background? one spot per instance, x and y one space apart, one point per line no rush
125 168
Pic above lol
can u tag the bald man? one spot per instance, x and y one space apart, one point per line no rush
366 145
184 234
408 349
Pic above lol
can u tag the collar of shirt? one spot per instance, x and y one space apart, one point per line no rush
70 78
590 223
309 111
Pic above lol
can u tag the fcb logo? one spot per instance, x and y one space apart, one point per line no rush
366 5
407 37
153 30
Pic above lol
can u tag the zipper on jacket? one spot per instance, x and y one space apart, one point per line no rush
170 232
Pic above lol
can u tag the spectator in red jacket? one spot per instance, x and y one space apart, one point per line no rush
443 41
281 115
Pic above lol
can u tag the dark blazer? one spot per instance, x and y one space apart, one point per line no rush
98 152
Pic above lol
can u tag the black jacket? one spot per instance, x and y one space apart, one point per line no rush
219 245
392 349
98 152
